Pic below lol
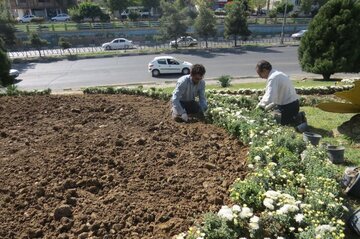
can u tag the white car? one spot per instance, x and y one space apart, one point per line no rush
184 42
118 43
26 18
62 17
13 73
298 35
168 65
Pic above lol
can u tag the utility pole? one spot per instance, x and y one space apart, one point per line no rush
283 24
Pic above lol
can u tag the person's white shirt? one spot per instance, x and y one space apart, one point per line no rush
279 90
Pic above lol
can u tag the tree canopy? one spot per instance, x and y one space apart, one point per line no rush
205 22
236 20
332 43
174 21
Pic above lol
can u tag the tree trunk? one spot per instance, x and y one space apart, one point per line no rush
326 76
235 38
206 42
39 50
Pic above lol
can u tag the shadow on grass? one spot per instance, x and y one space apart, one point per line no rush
322 132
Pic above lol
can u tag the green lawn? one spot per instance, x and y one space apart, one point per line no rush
326 123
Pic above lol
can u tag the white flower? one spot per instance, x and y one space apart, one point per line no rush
245 212
299 217
255 219
250 166
268 202
180 236
254 223
324 228
226 212
272 194
280 238
292 229
257 158
236 208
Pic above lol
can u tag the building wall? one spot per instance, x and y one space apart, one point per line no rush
41 8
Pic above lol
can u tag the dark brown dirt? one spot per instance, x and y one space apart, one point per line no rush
98 166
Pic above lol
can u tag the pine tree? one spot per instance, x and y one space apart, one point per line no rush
332 43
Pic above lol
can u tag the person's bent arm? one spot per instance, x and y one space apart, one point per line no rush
270 93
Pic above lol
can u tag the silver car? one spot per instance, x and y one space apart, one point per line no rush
184 42
118 43
62 17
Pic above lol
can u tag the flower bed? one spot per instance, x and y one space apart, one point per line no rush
291 190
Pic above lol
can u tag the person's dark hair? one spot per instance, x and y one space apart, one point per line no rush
198 69
263 65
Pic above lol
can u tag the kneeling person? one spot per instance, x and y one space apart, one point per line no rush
187 88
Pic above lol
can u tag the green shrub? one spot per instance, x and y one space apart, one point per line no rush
224 80
216 227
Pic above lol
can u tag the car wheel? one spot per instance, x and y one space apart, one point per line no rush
185 71
108 48
155 73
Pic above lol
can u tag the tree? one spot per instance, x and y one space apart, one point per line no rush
173 22
236 20
117 5
205 23
332 43
64 44
5 65
7 29
281 7
37 42
86 10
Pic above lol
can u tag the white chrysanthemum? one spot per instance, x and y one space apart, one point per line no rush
236 208
257 158
324 228
251 166
287 208
245 212
272 194
255 219
268 203
299 217
180 236
226 212
253 226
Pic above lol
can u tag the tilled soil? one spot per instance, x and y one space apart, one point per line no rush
108 166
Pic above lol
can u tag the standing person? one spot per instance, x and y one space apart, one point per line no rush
279 91
187 88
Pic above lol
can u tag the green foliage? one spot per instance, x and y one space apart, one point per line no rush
173 22
224 81
64 44
7 29
216 227
134 16
281 8
117 5
248 192
37 42
236 20
332 44
205 23
86 10
5 65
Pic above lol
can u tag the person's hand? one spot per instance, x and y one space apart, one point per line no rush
185 117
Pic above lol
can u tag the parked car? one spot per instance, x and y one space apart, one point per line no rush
184 41
168 64
118 43
298 35
26 18
62 17
220 11
14 73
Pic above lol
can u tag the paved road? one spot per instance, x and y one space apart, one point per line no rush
73 75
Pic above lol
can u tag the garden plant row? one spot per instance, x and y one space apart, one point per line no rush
292 190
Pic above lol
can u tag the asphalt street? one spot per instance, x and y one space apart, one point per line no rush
132 69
